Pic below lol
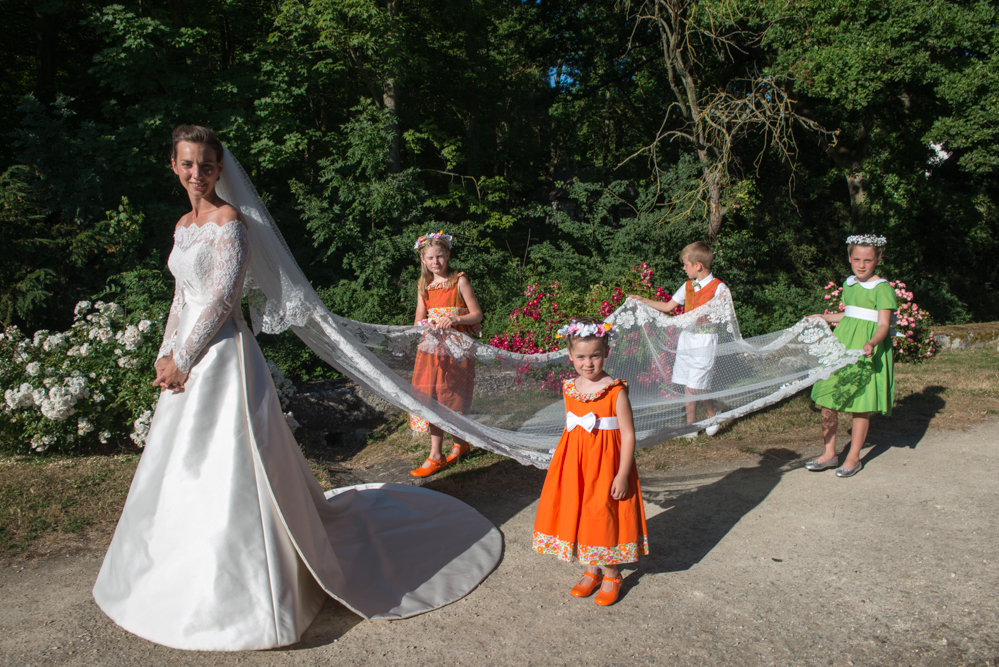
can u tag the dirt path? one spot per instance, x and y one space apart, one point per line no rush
763 564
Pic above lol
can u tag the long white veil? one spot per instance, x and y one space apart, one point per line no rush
516 404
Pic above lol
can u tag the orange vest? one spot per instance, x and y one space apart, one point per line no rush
700 297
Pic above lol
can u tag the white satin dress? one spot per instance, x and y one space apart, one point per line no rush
227 541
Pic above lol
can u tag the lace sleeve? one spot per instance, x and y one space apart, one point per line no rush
170 334
228 272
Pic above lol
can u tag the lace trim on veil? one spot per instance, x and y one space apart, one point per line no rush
517 409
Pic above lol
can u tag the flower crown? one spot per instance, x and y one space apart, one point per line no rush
867 239
435 235
574 328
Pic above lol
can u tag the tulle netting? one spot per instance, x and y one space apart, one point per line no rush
516 406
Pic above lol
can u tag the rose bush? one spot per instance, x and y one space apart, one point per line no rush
71 391
532 327
915 342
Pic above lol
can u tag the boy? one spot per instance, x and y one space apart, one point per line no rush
695 349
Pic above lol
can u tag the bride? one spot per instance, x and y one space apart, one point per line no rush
226 540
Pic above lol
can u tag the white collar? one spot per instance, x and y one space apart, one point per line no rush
707 281
870 284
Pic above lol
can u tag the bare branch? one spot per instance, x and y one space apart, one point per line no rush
714 121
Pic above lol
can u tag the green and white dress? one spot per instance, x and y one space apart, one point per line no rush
869 385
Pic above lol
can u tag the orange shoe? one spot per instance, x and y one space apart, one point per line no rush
462 451
585 589
435 467
607 598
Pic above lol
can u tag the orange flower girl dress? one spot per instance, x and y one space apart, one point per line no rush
577 518
445 360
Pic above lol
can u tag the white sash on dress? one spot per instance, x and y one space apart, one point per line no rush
590 421
871 315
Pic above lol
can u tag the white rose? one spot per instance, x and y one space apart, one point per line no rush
104 437
144 325
33 369
54 342
141 426
81 308
83 426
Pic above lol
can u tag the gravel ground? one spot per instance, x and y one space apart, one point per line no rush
758 564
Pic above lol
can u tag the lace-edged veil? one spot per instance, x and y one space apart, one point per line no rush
517 408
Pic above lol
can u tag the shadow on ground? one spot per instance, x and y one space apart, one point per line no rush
696 517
907 425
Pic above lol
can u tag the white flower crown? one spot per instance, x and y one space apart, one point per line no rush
867 239
574 328
434 235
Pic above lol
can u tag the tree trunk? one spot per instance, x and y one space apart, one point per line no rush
176 13
472 97
46 34
858 196
390 100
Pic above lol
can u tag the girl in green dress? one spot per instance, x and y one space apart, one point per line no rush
868 385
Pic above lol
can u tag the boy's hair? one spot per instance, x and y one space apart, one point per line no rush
196 134
698 251
604 340
879 251
426 277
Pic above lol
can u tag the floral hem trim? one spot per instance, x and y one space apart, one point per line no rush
419 424
569 389
590 555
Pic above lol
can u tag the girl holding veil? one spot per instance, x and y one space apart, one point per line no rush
226 540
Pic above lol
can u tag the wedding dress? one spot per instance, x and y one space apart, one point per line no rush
226 540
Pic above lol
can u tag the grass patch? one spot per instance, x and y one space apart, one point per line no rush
45 499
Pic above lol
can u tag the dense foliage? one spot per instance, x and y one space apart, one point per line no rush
552 138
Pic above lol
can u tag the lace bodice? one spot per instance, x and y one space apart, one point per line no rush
208 264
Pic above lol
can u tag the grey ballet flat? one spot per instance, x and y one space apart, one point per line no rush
815 466
843 472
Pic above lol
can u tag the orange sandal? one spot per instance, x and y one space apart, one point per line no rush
462 451
435 467
582 590
607 598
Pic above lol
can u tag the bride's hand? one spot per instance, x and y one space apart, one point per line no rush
168 376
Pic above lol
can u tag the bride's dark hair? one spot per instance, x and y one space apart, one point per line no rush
196 134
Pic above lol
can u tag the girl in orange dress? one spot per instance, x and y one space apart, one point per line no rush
591 504
445 359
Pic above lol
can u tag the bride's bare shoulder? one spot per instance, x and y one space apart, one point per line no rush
227 214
